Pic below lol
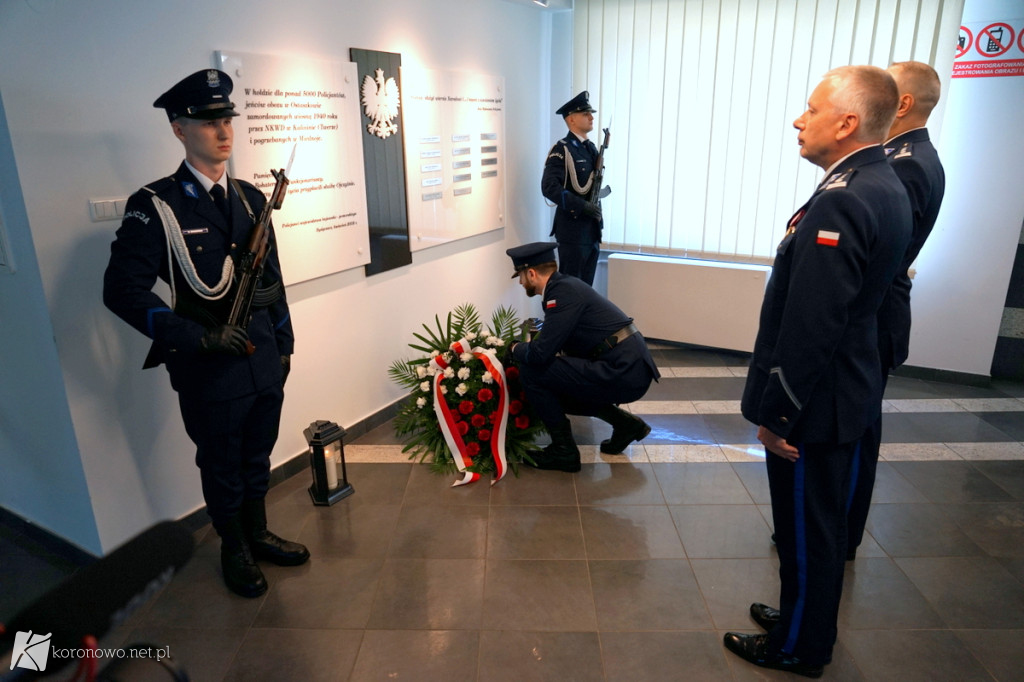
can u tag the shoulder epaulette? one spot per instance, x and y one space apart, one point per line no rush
161 185
906 150
840 179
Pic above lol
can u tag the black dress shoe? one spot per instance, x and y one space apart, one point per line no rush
764 615
754 649
241 574
269 547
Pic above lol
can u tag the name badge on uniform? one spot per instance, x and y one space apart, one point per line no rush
198 230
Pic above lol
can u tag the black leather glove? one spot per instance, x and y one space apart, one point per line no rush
225 339
592 211
508 359
286 367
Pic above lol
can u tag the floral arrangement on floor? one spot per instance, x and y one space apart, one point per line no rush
463 399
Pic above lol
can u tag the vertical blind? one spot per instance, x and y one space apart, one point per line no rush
700 96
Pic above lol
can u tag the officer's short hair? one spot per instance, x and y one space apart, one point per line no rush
919 80
869 92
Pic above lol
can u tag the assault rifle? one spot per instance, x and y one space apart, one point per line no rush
596 191
254 258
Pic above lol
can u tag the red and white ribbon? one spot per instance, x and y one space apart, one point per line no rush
447 419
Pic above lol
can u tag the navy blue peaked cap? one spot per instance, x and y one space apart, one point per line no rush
203 95
580 102
531 255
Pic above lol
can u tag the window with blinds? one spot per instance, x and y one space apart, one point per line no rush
700 96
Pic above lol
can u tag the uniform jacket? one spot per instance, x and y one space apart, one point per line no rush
576 320
139 255
815 375
571 225
917 166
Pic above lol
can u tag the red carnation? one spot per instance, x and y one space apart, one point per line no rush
478 420
484 435
522 421
484 394
515 407
465 407
495 417
473 449
511 373
462 428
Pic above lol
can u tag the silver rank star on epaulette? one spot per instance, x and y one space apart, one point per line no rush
906 150
838 180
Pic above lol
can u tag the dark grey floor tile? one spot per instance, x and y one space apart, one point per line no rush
669 429
698 357
664 656
720 531
755 479
535 533
277 654
514 656
968 592
877 595
426 487
434 594
697 388
350 531
538 596
951 482
197 598
1010 423
625 483
1013 389
996 528
1014 566
1008 475
377 483
204 654
323 593
423 656
730 586
939 427
890 486
904 388
730 428
700 483
907 530
651 594
630 532
1000 651
433 532
534 487
912 656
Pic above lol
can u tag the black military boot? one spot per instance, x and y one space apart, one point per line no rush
626 428
562 454
241 574
264 544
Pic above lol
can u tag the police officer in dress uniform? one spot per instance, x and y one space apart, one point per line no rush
175 230
587 358
814 384
567 180
913 157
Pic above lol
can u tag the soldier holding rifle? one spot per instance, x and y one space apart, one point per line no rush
227 349
572 182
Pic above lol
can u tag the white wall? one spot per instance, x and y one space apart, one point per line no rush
964 269
78 80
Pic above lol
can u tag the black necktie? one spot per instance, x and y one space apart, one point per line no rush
219 198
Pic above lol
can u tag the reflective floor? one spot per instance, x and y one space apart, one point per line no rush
630 570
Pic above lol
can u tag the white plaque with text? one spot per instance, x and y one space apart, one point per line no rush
310 106
459 119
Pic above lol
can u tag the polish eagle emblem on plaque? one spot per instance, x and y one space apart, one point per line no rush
380 103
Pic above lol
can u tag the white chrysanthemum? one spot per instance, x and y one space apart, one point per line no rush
420 402
471 335
462 389
491 340
466 357
487 378
421 371
464 373
444 390
425 386
499 342
449 372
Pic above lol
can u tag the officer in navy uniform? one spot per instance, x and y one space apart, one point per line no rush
587 358
814 384
567 180
913 157
230 400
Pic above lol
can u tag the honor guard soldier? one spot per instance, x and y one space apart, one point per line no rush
913 157
587 358
814 385
567 182
187 229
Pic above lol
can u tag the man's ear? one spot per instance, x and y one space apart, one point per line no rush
848 126
906 104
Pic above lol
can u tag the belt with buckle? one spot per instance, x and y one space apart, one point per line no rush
614 340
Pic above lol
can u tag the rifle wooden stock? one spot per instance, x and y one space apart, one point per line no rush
253 259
